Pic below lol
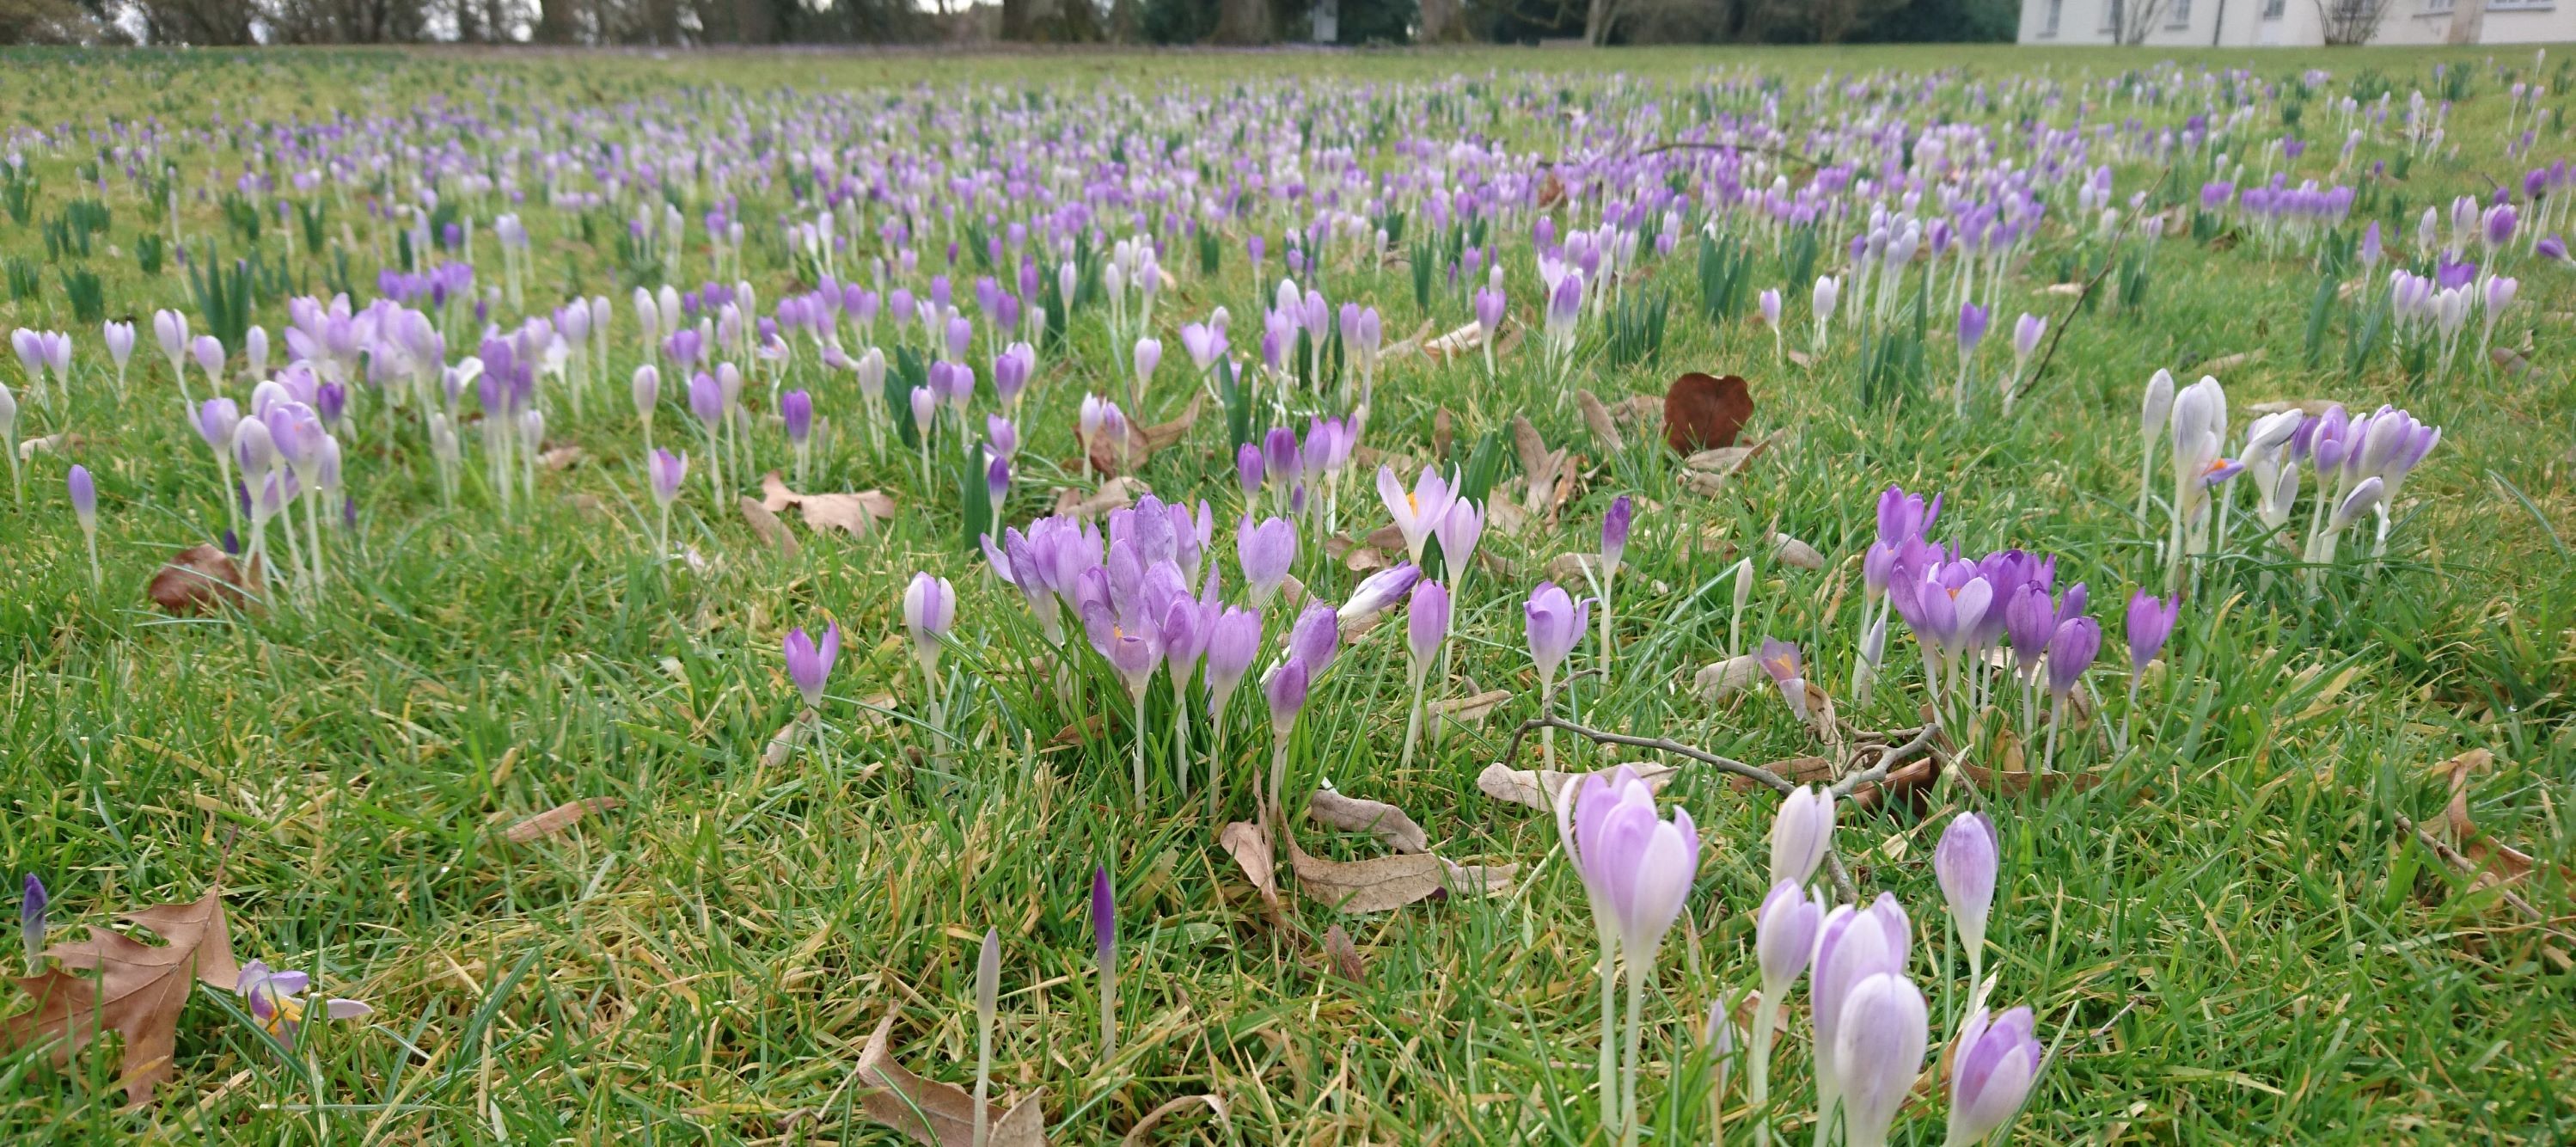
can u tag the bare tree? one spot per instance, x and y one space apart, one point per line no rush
1598 20
1243 22
2131 20
2345 22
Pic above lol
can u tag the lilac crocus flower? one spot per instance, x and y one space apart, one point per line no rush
31 922
1780 660
84 497
2150 621
796 409
1992 1075
1884 1031
1264 553
668 472
1555 622
1316 637
2070 653
1377 592
1965 863
929 610
2026 335
1247 469
1458 531
1802 833
1614 534
1232 643
809 663
1418 511
1285 688
1426 623
1973 320
276 1004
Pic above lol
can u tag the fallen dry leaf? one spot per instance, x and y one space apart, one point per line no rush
2226 361
1575 569
1384 883
1538 788
1795 770
1461 341
200 578
1790 551
935 1113
1596 418
1440 434
2315 406
2060 290
1114 494
1705 413
767 525
1411 344
1802 358
1506 519
1468 710
113 982
1127 452
1724 679
1355 814
559 818
2501 864
562 457
1248 841
1345 956
853 514
782 744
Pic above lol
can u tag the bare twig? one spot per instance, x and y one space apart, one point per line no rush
2077 307
2456 860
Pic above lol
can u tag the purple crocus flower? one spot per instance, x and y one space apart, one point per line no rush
1247 468
1784 937
2070 653
809 663
84 496
1285 688
1885 1029
1614 534
1801 834
1996 1064
929 611
1232 643
1265 552
1973 320
796 409
1780 659
1965 862
1426 623
668 471
276 1004
1316 637
2150 621
1555 622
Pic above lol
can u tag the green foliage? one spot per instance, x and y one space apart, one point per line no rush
1725 278
23 283
223 295
1637 328
88 299
148 253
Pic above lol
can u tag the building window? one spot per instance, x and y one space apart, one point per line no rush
2056 8
2437 5
2521 5
2181 14
2111 14
2273 9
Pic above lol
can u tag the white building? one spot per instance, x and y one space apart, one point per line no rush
2252 23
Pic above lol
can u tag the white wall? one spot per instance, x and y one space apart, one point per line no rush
2241 23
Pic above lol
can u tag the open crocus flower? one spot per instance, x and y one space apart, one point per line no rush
276 1002
809 663
1780 660
1418 512
1992 1072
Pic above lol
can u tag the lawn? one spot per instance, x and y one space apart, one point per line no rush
2245 906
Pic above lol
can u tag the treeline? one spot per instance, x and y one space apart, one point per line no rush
678 23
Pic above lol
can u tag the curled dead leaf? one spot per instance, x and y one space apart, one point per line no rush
1114 494
852 513
934 1113
201 578
1596 418
1356 814
1460 341
562 457
1385 883
782 744
1725 679
1171 1107
1795 770
1469 710
558 818
2499 863
1248 842
767 526
1791 552
1345 956
2229 361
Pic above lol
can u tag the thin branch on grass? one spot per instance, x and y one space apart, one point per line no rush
2058 328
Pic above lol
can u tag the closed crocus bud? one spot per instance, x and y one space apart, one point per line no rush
1316 637
2157 406
255 351
1104 917
1784 936
1003 435
1802 834
929 609
1828 292
1991 1073
646 389
1265 552
668 472
171 328
2365 495
1965 862
2500 292
1149 354
997 480
31 923
1426 623
1973 320
1247 468
1232 644
1884 1032
707 400
119 338
209 353
2150 622
796 409
924 404
1614 534
809 663
1285 689
1555 622
2070 653
2370 247
2026 334
1458 532
84 495
1769 304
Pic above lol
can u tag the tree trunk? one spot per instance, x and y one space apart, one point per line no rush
1598 20
1243 21
1442 22
555 22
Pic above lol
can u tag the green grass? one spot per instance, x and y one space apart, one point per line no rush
2240 942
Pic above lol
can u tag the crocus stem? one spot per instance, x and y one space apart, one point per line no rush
1609 1029
983 1076
1181 743
94 580
2146 468
2056 717
1412 722
1765 1014
1628 1117
1606 651
1278 775
1140 744
1216 757
1108 1011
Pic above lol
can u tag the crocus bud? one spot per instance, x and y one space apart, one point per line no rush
1614 534
796 409
929 610
1265 552
1377 592
1426 623
31 923
1232 644
1104 917
1784 936
1768 302
2070 653
1285 689
1316 637
924 404
1149 354
1802 834
1991 1073
2157 406
1879 1048
1247 468
809 665
668 472
84 495
1555 622
2026 334
1973 320
2150 622
988 977
119 338
1965 863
